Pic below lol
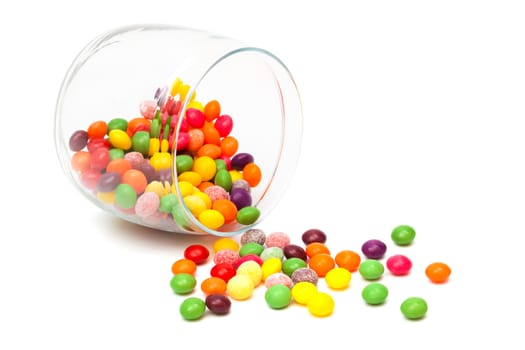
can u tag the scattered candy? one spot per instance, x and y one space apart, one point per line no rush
414 308
302 292
197 253
371 269
399 265
321 304
253 235
183 283
338 278
403 235
192 308
374 249
374 293
305 274
313 235
240 287
438 272
278 296
218 304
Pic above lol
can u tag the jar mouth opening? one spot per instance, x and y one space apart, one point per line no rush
269 96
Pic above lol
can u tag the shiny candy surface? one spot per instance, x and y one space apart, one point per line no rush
302 292
313 235
399 264
374 293
414 308
192 308
374 249
183 283
278 296
338 278
240 287
438 272
218 304
290 265
321 304
371 269
403 235
198 253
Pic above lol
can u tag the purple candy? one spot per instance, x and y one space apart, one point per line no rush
108 181
148 170
164 175
78 140
294 251
374 249
240 160
240 198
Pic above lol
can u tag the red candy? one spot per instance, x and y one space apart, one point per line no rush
197 253
223 271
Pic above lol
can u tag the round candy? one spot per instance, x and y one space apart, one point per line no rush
305 274
197 253
302 292
78 140
240 287
223 271
414 308
253 235
211 218
184 266
277 239
251 248
399 265
294 251
183 283
125 196
228 256
374 249
192 308
278 278
225 243
272 252
374 293
321 304
371 269
251 269
241 198
338 278
403 235
108 181
321 264
313 235
271 266
213 285
240 160
147 205
315 248
248 257
438 272
278 296
218 304
292 264
348 259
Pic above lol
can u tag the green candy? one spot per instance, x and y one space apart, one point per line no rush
178 215
154 129
116 153
167 203
414 308
117 124
403 235
248 215
278 296
125 196
192 308
371 269
292 264
223 179
183 163
375 293
220 164
183 283
140 142
251 248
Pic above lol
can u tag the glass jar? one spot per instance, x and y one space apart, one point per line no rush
179 129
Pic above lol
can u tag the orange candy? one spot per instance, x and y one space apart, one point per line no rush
211 135
184 266
136 179
81 161
315 248
212 110
348 259
137 124
213 285
252 174
97 130
204 185
229 146
321 263
438 272
227 208
196 140
211 150
119 165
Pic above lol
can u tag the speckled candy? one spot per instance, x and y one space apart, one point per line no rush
227 256
277 239
305 275
278 278
253 235
272 252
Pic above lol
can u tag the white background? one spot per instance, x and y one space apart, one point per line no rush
413 114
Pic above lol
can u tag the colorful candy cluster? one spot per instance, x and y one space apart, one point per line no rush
291 273
130 165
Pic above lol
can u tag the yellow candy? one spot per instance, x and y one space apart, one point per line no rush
175 87
253 270
195 204
192 177
211 218
154 146
196 105
106 197
235 175
164 146
206 167
271 266
240 287
161 160
119 139
204 197
321 304
225 243
303 291
183 91
185 188
338 278
157 187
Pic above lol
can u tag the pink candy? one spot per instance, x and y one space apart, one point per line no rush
147 204
277 239
216 192
278 278
227 256
148 109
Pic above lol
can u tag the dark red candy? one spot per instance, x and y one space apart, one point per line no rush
313 235
218 304
108 181
78 140
294 251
